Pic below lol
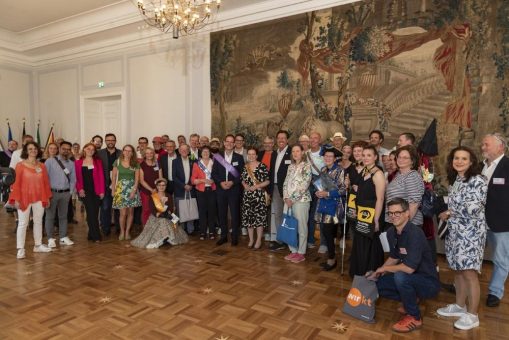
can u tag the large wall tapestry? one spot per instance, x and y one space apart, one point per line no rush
392 65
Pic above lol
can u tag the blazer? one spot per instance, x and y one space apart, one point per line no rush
198 173
497 214
281 172
179 177
103 156
219 171
163 163
97 174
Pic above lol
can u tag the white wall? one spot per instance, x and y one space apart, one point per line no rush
165 89
15 102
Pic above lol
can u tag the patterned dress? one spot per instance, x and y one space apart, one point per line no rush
124 186
254 209
158 229
464 244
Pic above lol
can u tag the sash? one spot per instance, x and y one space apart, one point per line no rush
8 153
230 168
203 168
157 203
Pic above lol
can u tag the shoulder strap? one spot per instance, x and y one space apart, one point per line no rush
63 169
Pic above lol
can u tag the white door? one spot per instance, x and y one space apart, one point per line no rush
101 116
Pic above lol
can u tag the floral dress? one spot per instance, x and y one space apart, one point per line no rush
464 243
124 186
254 208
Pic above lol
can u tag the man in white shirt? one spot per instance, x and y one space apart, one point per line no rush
181 171
279 162
239 146
315 157
496 169
16 155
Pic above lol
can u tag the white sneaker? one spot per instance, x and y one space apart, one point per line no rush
244 231
21 253
66 241
42 248
152 246
51 243
452 310
322 249
467 321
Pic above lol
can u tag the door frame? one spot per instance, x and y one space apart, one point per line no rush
123 114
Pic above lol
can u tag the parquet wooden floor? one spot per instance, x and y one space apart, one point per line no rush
113 291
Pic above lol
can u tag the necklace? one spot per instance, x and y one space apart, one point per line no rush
366 171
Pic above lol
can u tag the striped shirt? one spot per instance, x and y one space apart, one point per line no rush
410 187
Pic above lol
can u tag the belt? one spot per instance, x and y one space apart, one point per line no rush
59 191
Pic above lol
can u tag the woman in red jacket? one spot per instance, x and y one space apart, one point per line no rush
205 193
30 191
90 187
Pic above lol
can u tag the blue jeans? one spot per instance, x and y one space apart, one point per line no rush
407 288
500 244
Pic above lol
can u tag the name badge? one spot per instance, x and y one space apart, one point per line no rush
288 161
156 168
90 167
235 163
499 181
402 251
38 170
66 171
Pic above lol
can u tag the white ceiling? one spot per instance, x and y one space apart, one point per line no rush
23 15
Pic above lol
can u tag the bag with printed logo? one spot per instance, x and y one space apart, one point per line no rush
360 301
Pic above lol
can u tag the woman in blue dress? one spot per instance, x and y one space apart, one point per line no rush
464 243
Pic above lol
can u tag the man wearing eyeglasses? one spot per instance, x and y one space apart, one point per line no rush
409 274
496 170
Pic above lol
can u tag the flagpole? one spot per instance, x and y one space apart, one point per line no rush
49 135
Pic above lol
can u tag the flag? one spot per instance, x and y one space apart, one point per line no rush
51 138
429 142
9 136
38 134
24 131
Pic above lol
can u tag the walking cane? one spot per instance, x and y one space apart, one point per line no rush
344 233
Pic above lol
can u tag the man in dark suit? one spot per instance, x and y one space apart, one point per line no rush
167 165
108 156
182 169
279 161
226 172
5 156
496 169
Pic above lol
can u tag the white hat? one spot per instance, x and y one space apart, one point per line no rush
338 134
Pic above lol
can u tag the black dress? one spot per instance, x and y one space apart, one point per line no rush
367 253
254 208
92 204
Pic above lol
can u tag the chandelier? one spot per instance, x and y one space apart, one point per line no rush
182 17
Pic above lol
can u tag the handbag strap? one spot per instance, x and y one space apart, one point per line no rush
312 162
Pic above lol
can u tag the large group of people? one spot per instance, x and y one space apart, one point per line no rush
333 189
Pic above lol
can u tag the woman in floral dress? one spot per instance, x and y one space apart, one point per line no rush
464 243
255 177
124 185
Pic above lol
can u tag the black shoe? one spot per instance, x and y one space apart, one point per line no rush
329 267
448 287
492 301
323 264
221 241
275 246
235 242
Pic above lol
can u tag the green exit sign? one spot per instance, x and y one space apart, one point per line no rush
100 84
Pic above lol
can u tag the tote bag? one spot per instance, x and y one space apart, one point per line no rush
188 208
287 232
360 301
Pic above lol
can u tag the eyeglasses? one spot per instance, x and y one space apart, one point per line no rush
395 213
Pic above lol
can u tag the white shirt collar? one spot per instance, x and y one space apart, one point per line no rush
495 162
